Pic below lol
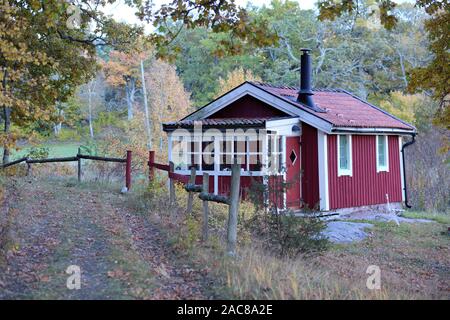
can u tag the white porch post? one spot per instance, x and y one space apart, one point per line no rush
217 156
264 163
283 165
323 170
169 144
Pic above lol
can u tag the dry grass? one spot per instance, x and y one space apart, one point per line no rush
413 259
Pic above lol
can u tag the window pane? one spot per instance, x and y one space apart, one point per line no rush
253 146
343 152
382 151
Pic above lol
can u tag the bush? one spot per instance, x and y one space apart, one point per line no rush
290 235
38 153
68 134
285 233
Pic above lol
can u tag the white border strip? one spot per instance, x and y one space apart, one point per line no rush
322 143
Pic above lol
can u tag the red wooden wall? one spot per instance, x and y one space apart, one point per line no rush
246 182
248 107
365 186
310 166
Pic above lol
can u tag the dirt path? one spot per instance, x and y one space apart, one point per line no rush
54 224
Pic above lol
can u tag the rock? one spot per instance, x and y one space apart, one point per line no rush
346 232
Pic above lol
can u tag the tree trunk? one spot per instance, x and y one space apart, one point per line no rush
130 89
91 127
147 118
7 120
7 117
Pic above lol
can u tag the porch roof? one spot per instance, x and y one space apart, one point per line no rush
223 123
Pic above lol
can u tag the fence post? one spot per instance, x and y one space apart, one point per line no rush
28 169
151 161
79 165
205 189
128 171
233 209
190 201
171 184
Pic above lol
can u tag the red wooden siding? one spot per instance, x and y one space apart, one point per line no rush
246 182
365 186
199 180
310 167
248 107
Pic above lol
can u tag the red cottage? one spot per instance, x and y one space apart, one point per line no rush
334 149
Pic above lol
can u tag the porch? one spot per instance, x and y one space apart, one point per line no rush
212 146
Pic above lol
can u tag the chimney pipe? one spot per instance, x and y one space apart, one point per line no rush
305 94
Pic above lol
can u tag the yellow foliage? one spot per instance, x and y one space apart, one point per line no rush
403 106
234 79
168 101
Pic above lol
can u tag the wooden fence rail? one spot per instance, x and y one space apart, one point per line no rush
203 189
77 158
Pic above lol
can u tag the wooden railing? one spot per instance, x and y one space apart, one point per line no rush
77 158
203 189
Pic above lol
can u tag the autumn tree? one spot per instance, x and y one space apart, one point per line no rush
47 48
167 98
122 70
235 78
433 78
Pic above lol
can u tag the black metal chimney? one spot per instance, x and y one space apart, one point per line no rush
305 94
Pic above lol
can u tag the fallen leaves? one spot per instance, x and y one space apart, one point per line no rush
118 274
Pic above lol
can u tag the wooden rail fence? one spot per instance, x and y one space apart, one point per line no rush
203 189
78 158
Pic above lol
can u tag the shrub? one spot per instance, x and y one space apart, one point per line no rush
38 153
286 233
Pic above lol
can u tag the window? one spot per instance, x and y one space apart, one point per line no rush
344 154
233 148
275 153
382 153
179 153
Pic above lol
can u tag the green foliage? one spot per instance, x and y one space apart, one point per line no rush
435 76
67 135
200 67
289 235
416 109
90 148
38 153
191 227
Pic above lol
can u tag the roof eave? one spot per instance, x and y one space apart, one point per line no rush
373 130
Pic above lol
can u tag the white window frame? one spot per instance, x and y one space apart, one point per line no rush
381 168
349 171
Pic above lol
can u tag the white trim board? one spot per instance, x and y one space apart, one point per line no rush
322 143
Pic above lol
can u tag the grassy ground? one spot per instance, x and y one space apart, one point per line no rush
54 223
135 246
413 260
66 149
443 218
